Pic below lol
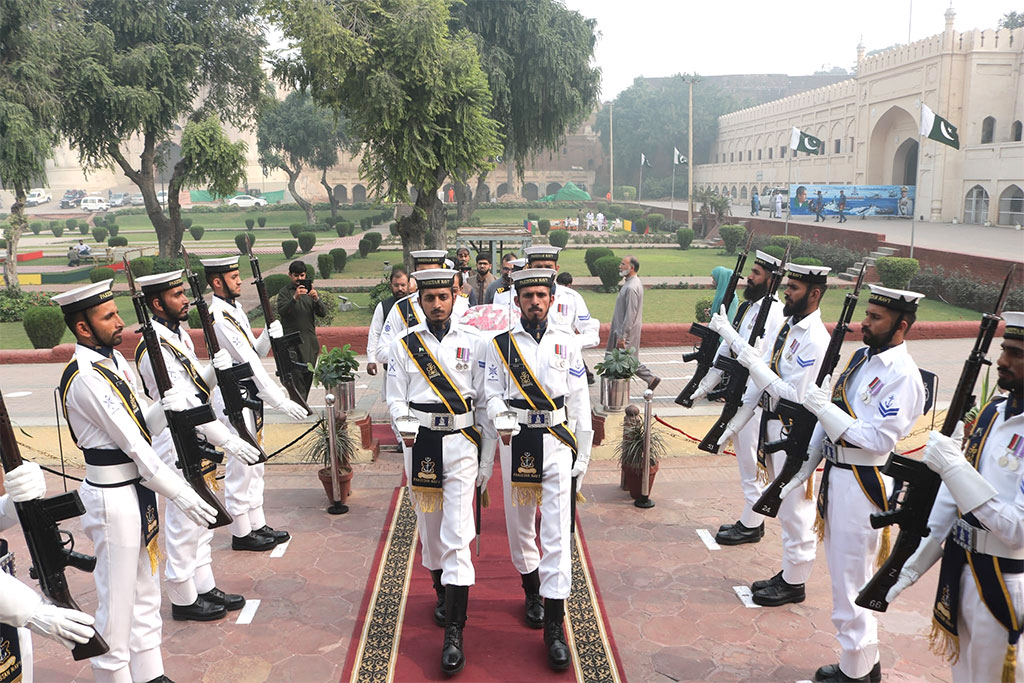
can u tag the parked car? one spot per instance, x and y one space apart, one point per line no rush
37 196
161 197
120 199
94 204
245 201
138 199
71 199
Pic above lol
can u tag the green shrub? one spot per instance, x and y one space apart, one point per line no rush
14 303
325 265
625 192
118 241
99 234
365 222
365 247
187 222
141 266
774 250
52 224
242 240
112 227
193 318
835 256
44 326
275 282
261 221
544 225
71 224
896 272
83 227
249 223
295 229
806 261
684 236
350 229
306 241
393 228
962 289
602 207
655 220
339 228
56 228
197 232
732 236
340 257
607 268
591 256
632 213
615 211
3 243
289 247
36 227
791 241
640 225
702 309
375 238
558 238
101 273
531 216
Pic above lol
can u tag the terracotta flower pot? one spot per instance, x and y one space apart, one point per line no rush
344 481
633 479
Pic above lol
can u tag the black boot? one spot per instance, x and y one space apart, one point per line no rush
740 534
534 603
456 599
554 634
439 610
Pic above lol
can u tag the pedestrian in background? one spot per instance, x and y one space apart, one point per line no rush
298 306
720 277
755 204
628 318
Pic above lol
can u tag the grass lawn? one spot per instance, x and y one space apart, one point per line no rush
236 219
517 216
666 262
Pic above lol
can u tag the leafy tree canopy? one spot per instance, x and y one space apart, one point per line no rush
1012 20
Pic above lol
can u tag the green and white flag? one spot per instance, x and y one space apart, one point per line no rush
802 142
934 127
677 158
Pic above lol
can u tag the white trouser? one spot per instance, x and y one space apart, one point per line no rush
850 547
745 444
796 515
243 487
186 544
127 589
554 558
446 533
25 648
982 638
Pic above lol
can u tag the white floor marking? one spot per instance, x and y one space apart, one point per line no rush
745 596
280 550
17 394
248 612
708 539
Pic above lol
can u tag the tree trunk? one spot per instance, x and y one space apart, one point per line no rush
17 224
145 180
468 203
330 195
304 204
425 227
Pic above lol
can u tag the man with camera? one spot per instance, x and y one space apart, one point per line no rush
298 306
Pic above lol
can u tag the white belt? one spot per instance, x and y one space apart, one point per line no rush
110 475
539 419
443 422
845 455
982 541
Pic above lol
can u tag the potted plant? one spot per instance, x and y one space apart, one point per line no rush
317 450
335 371
616 370
630 453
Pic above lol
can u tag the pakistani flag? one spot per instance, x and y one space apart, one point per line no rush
677 158
644 161
937 128
802 142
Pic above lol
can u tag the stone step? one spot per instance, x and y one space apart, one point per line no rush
877 255
851 277
887 251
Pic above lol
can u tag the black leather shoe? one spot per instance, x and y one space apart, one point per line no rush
534 603
833 674
278 536
252 541
554 635
231 601
161 679
200 610
435 575
740 534
764 583
456 599
779 594
726 527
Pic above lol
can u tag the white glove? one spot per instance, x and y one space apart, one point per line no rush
806 472
739 420
817 398
189 502
175 400
927 554
222 360
66 626
943 456
293 410
720 325
584 442
156 420
761 376
239 448
486 469
710 381
25 482
833 419
275 330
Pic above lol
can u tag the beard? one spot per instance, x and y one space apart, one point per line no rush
797 308
754 292
876 341
1014 385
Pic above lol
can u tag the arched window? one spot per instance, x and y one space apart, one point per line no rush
1011 206
732 192
976 205
1015 131
988 129
743 192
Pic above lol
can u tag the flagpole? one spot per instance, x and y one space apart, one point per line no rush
640 189
917 192
689 160
611 150
789 182
672 210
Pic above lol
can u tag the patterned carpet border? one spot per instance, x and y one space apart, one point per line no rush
588 637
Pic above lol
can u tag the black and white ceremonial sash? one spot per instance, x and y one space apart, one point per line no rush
202 388
987 571
763 471
238 326
11 665
528 444
428 452
408 312
249 384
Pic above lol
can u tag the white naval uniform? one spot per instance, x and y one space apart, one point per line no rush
373 338
16 605
982 637
559 376
850 543
127 589
570 310
188 572
394 323
446 532
243 484
505 296
799 362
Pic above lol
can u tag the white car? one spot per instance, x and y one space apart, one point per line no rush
94 204
37 196
161 198
245 201
120 199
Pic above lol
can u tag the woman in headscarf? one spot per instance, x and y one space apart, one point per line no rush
720 276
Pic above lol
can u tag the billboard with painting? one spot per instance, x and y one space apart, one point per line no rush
893 201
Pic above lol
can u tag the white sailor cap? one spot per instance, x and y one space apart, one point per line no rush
533 277
1014 325
435 278
81 298
544 252
448 263
767 261
220 265
518 264
161 282
896 299
428 257
813 275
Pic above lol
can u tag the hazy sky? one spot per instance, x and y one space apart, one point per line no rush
664 37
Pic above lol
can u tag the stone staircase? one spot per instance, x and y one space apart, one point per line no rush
869 274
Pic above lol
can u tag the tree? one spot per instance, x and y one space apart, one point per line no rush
146 68
338 137
28 110
414 93
537 55
1012 20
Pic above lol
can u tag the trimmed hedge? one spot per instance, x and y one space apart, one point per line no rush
249 224
325 265
141 266
71 224
197 232
702 309
393 229
275 282
36 227
785 240
896 272
117 242
340 257
44 326
375 239
57 229
558 238
531 216
774 250
112 227
306 241
962 289
807 261
733 236
654 220
187 222
544 225
101 273
241 240
607 268
591 256
289 247
261 221
83 227
295 229
365 247
684 236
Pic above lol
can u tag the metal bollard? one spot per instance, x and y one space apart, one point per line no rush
336 507
644 501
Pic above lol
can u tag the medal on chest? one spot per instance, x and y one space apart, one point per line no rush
561 356
1011 459
792 349
461 358
872 390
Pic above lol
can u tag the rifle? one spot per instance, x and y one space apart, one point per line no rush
284 348
798 421
236 399
709 341
921 485
50 553
191 449
733 391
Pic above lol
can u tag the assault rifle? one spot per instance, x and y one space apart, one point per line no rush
709 341
192 450
920 484
284 348
236 397
798 422
733 392
50 553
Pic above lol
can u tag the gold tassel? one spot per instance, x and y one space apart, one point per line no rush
1010 664
526 495
819 528
153 548
211 480
580 498
427 500
485 499
809 495
762 474
884 548
944 644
